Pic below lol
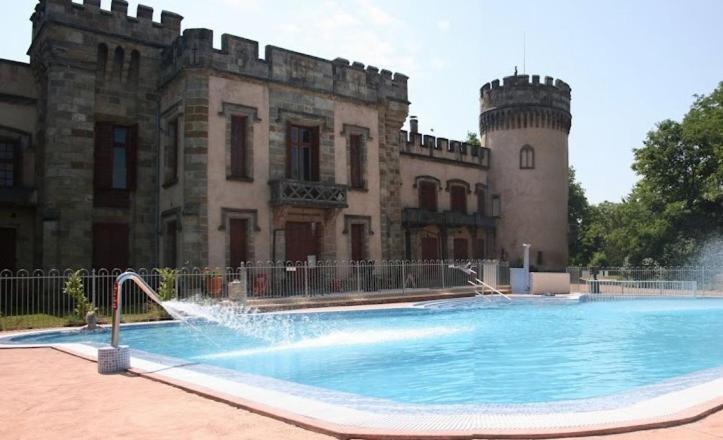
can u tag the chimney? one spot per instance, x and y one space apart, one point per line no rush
413 124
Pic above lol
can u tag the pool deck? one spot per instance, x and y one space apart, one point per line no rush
51 394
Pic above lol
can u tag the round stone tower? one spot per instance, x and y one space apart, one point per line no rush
525 124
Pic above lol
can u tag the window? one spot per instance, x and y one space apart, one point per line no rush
118 60
102 62
481 200
527 158
496 206
115 164
238 243
458 198
238 146
358 252
135 68
170 244
460 249
9 164
171 157
356 161
302 160
428 195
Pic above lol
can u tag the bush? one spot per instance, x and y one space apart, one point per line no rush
74 289
167 287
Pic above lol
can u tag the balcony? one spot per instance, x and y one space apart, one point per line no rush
422 217
287 192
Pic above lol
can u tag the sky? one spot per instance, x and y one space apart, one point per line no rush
630 63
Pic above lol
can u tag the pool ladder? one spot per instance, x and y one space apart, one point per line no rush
117 300
477 283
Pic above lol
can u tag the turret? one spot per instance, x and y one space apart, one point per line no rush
525 123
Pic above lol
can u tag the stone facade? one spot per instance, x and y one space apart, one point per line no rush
176 96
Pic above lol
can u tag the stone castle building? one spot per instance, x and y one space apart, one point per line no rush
127 143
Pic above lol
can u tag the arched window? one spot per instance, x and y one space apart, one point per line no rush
527 158
102 61
118 57
134 68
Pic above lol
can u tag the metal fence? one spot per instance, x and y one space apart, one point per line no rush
642 288
32 299
709 279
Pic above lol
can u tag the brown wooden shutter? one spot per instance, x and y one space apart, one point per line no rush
132 154
428 196
103 156
238 146
430 250
458 195
314 154
355 161
290 130
357 242
481 199
238 253
460 249
110 246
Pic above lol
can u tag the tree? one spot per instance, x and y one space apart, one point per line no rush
473 139
677 205
578 210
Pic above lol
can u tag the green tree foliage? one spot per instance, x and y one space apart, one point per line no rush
167 286
473 139
676 206
578 212
74 289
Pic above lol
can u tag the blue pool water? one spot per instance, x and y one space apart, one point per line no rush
461 351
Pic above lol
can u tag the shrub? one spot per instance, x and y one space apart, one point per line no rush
74 289
167 287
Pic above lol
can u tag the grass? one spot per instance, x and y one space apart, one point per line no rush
41 320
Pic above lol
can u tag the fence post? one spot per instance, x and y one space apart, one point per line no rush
443 284
358 276
306 278
92 287
404 276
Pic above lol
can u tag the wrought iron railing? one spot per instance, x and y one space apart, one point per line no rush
303 193
36 299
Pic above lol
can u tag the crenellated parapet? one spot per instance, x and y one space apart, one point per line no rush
240 56
89 16
522 101
443 149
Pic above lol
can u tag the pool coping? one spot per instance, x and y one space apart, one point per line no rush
703 399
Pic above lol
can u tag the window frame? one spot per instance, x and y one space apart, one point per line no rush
14 161
527 157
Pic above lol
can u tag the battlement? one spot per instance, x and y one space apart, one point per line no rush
439 148
240 56
525 90
89 16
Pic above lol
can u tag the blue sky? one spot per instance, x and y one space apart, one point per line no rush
630 63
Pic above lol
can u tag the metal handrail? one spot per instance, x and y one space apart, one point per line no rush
479 283
117 300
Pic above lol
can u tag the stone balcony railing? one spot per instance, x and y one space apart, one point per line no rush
420 217
307 194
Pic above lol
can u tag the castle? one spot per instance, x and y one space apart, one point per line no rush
126 143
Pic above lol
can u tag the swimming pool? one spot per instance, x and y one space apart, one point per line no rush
453 356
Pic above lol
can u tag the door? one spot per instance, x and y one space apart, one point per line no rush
357 242
238 254
301 241
8 249
430 250
110 246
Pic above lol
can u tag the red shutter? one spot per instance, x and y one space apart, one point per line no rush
357 242
238 146
430 250
314 154
103 156
132 151
458 195
428 196
460 249
110 246
355 161
238 253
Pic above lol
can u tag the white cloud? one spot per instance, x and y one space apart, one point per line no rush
443 25
377 15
